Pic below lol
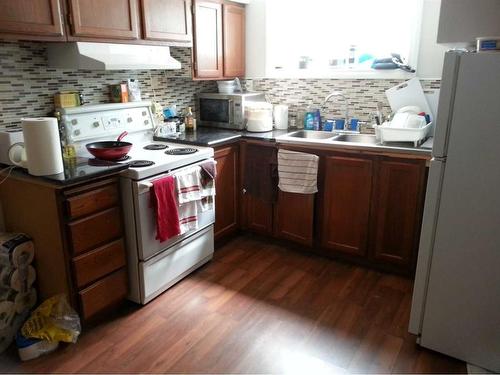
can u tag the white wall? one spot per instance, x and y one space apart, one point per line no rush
431 54
430 57
256 41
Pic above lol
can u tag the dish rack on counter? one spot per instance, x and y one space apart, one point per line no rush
386 133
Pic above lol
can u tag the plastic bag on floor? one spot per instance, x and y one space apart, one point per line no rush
54 320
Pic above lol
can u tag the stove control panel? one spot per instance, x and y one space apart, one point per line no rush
106 121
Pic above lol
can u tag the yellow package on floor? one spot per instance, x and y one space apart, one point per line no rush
53 320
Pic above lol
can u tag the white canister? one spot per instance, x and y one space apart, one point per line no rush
281 116
259 116
41 151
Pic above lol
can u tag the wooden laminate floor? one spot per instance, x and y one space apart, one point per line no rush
257 308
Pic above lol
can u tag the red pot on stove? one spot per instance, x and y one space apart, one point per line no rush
110 150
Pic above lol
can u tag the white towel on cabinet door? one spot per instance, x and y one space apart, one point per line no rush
298 172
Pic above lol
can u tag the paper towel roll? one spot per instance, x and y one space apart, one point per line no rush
25 301
42 145
16 249
18 279
7 312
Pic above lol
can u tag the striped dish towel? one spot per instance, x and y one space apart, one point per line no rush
298 172
189 184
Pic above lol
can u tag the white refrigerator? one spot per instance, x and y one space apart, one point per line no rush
456 297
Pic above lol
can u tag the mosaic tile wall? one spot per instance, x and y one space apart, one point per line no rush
27 85
362 94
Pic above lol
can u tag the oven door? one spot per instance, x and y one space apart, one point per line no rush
145 221
218 112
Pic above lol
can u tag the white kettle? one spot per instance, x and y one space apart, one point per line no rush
41 151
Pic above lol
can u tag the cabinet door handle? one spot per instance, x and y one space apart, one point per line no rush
244 191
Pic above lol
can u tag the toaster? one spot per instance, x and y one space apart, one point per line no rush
9 135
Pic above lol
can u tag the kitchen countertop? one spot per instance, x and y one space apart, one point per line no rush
76 171
215 137
406 148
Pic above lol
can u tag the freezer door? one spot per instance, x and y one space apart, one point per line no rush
431 208
446 98
462 309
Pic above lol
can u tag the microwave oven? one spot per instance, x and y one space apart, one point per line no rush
225 111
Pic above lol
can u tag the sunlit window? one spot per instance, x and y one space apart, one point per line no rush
324 35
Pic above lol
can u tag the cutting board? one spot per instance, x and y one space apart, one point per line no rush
408 93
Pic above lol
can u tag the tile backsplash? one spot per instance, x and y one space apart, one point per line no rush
362 94
27 85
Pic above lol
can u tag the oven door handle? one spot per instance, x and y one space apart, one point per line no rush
143 187
231 111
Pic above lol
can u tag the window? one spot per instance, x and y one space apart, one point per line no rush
324 36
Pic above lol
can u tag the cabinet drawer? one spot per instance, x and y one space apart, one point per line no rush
97 263
93 201
104 294
95 230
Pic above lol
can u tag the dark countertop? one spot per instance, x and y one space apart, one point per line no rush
215 137
75 171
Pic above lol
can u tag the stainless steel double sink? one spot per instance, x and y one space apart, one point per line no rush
328 136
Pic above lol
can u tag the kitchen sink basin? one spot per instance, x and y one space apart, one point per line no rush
311 134
357 138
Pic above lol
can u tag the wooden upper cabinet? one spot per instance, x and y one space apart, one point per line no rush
104 19
208 39
345 208
39 18
167 20
234 40
397 211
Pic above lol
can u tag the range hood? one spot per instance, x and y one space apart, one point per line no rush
106 56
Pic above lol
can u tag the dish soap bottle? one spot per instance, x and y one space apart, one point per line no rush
189 120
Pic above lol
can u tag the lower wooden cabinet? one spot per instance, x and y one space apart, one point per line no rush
227 184
371 208
397 211
294 217
345 206
258 215
77 231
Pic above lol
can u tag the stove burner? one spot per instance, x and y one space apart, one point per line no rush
140 163
123 158
155 146
181 151
101 162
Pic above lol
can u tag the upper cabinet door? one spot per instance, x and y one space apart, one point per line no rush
208 39
31 17
234 40
105 19
167 20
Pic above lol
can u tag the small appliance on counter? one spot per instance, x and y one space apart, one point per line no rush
225 111
259 117
9 135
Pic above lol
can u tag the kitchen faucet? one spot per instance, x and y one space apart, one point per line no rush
343 97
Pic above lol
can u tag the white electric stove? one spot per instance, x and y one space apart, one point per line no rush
153 266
